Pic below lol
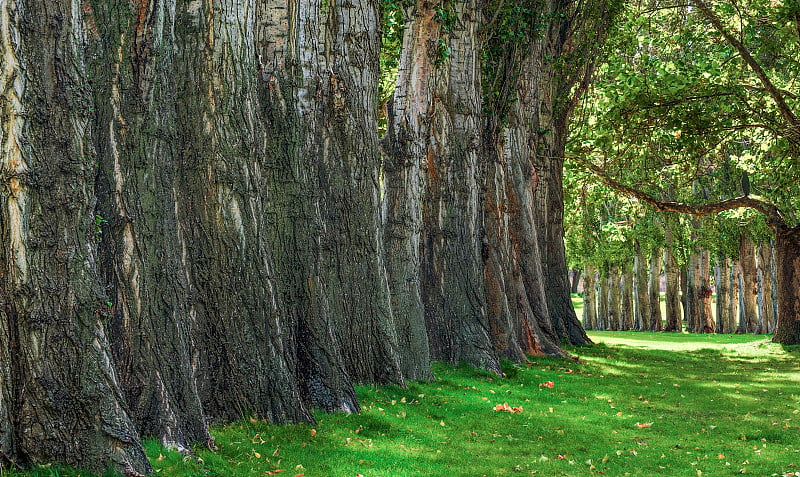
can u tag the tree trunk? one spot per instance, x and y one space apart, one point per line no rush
765 265
656 261
787 258
602 304
640 291
575 274
733 298
589 298
152 318
614 298
626 316
722 277
672 296
452 265
707 318
749 291
694 320
405 149
59 396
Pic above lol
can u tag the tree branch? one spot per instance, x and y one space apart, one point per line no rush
774 216
773 91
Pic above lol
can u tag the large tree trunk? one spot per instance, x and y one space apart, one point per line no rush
452 265
765 265
656 263
59 396
405 148
693 293
575 275
642 297
141 248
589 298
787 258
672 296
733 298
747 259
626 316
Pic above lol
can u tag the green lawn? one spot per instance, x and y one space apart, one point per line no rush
636 404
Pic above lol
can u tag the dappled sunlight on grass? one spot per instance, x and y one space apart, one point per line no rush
720 405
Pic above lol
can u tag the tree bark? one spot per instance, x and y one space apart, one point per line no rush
575 280
723 282
152 318
640 291
614 298
656 263
59 396
589 298
452 265
626 317
749 291
707 318
787 258
602 304
765 265
733 298
405 150
672 296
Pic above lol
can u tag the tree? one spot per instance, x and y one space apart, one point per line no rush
755 139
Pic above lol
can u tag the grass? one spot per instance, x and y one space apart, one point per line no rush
636 404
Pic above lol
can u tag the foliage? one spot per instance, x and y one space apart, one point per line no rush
585 424
677 113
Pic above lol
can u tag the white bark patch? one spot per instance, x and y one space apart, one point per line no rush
230 213
12 163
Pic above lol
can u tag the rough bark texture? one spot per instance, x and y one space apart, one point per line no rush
765 265
656 261
692 293
749 291
641 294
614 298
141 247
59 395
589 298
787 258
405 149
452 265
733 298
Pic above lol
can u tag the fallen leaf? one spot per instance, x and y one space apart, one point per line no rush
313 432
257 455
275 472
643 425
547 384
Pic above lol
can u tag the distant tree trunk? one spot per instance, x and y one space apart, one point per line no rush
405 148
602 304
656 261
765 266
694 320
589 298
640 290
576 280
672 297
707 318
452 264
733 298
614 298
626 322
152 323
60 400
722 277
749 291
787 258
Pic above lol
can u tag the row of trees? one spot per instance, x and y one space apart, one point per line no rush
198 223
694 112
628 296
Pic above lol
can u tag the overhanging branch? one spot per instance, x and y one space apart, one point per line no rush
774 216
